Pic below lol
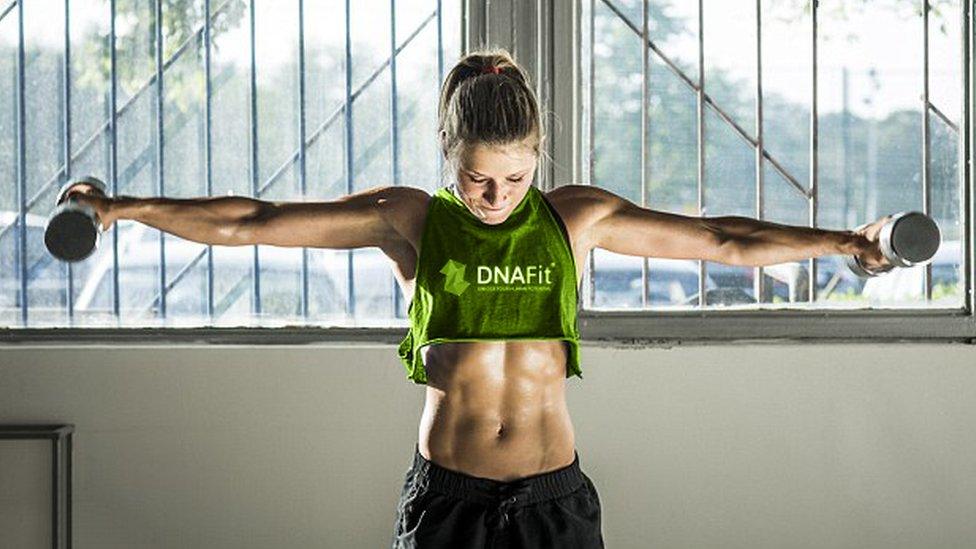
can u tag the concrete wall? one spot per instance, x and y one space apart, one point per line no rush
725 446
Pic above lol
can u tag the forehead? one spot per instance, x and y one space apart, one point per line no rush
497 160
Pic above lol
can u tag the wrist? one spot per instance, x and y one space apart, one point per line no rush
120 207
852 243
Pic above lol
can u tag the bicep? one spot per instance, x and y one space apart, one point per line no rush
629 229
352 221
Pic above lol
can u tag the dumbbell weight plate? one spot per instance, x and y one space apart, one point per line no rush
72 236
910 239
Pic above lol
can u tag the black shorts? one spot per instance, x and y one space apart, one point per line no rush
439 507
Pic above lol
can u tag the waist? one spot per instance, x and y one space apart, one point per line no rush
523 490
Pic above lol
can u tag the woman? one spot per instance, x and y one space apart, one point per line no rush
491 267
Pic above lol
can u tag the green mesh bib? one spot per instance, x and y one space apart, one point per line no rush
475 281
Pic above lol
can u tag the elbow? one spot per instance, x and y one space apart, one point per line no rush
733 250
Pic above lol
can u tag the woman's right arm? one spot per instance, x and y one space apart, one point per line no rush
356 220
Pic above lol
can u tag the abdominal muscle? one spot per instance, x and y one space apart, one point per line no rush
497 409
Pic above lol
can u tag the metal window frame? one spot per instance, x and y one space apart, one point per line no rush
544 35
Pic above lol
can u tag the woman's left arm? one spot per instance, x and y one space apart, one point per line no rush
620 226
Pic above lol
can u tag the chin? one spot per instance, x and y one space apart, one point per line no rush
497 217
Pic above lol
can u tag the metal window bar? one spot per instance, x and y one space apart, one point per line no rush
66 144
440 75
208 144
302 181
645 159
159 139
21 166
700 120
113 157
348 152
253 143
926 190
590 157
812 205
758 280
394 137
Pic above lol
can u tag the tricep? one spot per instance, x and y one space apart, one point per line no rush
629 229
352 221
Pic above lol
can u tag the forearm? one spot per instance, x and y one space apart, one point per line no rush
208 220
763 243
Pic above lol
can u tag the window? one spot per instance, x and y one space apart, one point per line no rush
684 112
274 100
693 115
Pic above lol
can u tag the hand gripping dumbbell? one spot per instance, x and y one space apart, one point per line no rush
908 239
73 228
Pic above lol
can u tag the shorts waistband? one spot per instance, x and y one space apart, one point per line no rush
526 490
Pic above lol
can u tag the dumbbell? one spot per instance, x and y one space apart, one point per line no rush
73 229
908 239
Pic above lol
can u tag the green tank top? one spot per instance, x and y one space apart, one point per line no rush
476 281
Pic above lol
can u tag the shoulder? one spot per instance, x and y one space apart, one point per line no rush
404 209
582 206
582 198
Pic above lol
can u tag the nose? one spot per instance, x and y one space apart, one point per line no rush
491 197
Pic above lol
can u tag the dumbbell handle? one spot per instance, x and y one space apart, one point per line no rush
915 243
856 264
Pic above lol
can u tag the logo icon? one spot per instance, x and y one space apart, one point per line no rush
454 271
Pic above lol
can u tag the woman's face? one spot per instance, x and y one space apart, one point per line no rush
493 180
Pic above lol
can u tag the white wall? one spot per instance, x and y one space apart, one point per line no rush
780 446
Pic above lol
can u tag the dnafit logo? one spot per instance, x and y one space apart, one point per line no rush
498 278
454 271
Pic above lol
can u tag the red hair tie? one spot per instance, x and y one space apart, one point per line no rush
496 70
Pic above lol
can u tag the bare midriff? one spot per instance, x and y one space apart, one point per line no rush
497 409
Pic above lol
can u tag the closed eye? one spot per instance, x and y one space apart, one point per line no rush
519 180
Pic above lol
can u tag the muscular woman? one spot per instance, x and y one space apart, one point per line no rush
491 267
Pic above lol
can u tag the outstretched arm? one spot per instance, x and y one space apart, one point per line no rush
360 219
627 228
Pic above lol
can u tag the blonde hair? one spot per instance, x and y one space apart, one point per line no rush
486 99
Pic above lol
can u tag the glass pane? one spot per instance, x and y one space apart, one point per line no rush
233 296
276 57
672 176
325 50
417 87
948 288
870 149
136 151
787 86
730 190
785 282
730 58
10 295
616 149
43 153
945 57
673 28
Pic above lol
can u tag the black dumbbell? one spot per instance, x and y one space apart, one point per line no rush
73 229
908 239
